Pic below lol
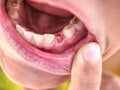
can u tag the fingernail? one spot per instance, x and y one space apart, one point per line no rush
91 52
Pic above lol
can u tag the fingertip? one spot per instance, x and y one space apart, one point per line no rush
91 52
86 73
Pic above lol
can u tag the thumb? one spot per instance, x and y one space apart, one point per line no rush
87 68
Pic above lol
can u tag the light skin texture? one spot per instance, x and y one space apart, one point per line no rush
87 69
104 17
88 75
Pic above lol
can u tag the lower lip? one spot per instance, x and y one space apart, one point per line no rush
59 64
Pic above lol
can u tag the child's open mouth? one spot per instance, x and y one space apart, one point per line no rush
47 37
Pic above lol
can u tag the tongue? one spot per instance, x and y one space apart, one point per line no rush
49 9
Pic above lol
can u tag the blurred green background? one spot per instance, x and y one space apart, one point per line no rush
6 84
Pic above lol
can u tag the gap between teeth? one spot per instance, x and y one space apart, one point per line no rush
46 40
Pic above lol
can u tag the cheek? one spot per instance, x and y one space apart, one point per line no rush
111 25
113 43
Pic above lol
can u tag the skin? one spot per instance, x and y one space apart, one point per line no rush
104 18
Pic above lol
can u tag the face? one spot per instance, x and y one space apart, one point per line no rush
39 38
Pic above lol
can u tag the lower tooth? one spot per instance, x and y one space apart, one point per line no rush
13 14
28 36
79 25
74 20
13 7
20 29
48 39
38 39
69 31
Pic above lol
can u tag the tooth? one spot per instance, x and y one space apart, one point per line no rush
73 21
38 39
28 35
20 29
79 25
69 31
13 13
48 39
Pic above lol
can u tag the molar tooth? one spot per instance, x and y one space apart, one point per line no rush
13 14
38 39
69 31
74 20
79 25
28 35
20 29
48 39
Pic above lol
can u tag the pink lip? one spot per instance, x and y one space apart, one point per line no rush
59 64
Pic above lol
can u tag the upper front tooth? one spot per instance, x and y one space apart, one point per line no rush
69 31
48 39
20 29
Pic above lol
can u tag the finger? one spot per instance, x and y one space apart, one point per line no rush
87 68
